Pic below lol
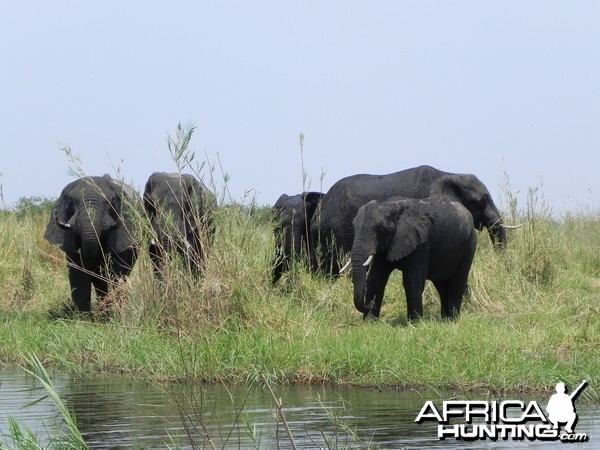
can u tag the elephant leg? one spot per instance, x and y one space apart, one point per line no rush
458 284
189 259
81 289
119 268
157 256
377 279
192 262
328 252
414 284
454 290
281 259
198 254
122 263
278 267
100 283
449 308
457 287
313 255
333 266
414 274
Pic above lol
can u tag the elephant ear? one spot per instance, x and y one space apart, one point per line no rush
470 192
61 213
451 185
465 188
203 203
124 201
149 205
412 228
195 194
281 202
312 201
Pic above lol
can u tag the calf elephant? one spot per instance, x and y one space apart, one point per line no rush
92 223
292 222
180 208
332 230
431 239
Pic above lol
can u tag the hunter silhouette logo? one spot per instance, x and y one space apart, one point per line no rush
508 419
561 409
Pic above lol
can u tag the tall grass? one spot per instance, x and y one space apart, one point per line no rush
531 319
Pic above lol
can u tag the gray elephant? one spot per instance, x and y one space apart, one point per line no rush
432 238
333 232
181 209
92 223
292 216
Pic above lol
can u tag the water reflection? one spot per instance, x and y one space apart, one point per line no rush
115 412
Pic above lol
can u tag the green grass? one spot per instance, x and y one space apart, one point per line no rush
532 317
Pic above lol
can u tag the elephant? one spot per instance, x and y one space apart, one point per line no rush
180 208
292 216
332 233
92 222
432 238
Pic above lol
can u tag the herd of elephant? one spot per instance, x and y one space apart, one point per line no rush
422 221
93 223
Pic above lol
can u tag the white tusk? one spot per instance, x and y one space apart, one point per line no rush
60 222
368 261
345 266
511 227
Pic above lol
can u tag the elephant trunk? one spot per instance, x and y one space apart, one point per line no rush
359 278
164 240
168 233
497 234
90 230
492 220
283 251
296 235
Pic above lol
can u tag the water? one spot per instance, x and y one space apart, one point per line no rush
114 411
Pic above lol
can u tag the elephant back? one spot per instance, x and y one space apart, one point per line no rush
341 203
452 222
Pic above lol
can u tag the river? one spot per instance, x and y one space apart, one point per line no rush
115 411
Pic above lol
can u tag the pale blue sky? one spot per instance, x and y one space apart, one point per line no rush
375 86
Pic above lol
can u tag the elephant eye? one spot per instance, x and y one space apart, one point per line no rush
115 206
70 207
150 205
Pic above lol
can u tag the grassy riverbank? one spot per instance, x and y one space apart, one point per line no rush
532 318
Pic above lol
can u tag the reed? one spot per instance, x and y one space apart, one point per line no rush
20 437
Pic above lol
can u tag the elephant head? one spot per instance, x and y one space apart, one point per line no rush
293 215
472 193
91 217
388 231
180 210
